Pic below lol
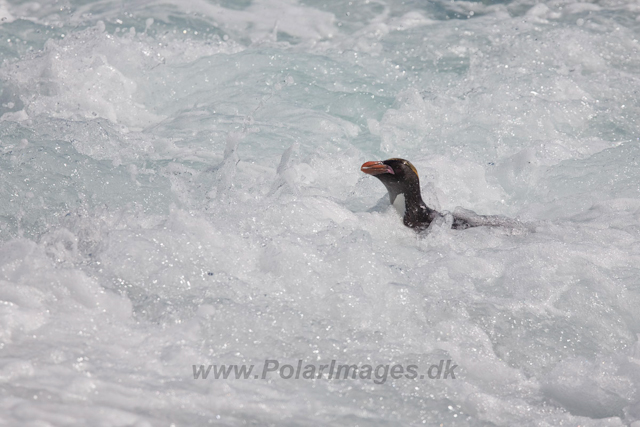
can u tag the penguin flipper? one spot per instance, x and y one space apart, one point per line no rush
465 218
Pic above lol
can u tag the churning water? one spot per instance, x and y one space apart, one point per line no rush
181 186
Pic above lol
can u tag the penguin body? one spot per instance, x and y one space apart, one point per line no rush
401 179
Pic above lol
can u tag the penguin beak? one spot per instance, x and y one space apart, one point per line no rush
376 168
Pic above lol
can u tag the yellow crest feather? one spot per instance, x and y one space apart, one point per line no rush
408 163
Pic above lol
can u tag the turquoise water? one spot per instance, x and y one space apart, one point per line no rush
181 186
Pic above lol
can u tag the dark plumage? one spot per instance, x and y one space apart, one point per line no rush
401 177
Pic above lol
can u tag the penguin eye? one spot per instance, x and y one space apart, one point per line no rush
406 163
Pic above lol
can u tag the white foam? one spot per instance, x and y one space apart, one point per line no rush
212 211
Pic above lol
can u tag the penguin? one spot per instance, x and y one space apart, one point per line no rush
401 179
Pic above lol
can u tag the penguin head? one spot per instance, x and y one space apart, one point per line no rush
399 176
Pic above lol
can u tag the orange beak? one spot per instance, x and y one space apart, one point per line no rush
376 168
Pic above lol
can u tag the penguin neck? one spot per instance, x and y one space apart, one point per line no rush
408 202
400 204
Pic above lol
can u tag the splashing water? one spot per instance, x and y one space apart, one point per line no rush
181 187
